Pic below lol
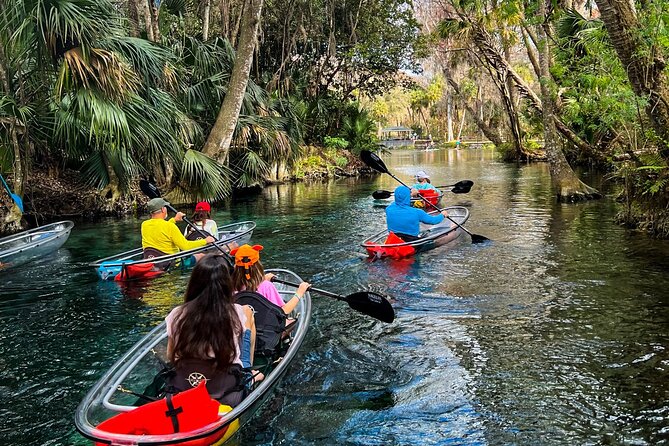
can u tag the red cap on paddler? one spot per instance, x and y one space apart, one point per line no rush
203 206
246 255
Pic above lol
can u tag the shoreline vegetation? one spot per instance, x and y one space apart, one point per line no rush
209 100
67 196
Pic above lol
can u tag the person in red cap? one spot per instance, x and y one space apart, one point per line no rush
202 219
249 275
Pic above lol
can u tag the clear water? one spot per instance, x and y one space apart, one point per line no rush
554 333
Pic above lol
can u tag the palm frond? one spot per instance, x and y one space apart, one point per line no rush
203 178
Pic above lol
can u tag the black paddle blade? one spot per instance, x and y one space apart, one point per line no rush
381 194
461 190
371 304
476 238
373 161
464 184
149 189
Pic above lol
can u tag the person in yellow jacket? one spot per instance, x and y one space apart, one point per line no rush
163 235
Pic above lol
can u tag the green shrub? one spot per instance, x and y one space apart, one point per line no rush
335 142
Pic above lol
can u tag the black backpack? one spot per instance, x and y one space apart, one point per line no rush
270 322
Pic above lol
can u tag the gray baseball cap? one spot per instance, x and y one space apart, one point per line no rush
156 204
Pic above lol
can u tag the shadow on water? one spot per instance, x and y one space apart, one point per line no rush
556 332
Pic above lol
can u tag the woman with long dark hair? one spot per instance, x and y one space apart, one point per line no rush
210 337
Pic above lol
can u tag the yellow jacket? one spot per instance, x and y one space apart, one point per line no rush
165 236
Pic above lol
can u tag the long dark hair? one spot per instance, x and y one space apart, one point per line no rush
201 216
208 321
240 282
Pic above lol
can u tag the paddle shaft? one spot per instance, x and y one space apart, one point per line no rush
326 293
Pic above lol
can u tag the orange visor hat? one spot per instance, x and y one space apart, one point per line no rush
246 256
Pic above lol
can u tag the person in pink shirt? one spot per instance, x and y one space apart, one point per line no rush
249 275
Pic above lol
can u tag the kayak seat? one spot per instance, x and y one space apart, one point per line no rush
150 253
194 235
228 387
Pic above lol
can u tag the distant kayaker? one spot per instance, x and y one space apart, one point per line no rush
202 219
423 181
210 337
249 275
160 237
404 220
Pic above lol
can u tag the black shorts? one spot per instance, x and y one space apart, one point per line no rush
407 237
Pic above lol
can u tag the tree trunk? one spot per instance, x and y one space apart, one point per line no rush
569 187
490 133
154 21
449 118
462 123
495 61
148 23
133 18
217 145
492 60
224 8
645 67
205 20
12 220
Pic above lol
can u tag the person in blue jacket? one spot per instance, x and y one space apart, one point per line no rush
404 220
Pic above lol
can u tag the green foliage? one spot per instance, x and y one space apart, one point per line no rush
597 101
359 129
337 47
117 106
335 142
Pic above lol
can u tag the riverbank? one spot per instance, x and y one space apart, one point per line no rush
67 196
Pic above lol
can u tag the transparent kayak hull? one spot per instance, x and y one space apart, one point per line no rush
23 247
136 369
430 237
230 236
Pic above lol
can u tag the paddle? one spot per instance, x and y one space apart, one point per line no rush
15 197
366 302
461 187
376 163
151 191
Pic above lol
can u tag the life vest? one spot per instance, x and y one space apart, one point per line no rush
184 412
395 252
137 272
431 195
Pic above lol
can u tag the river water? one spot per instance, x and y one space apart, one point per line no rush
556 332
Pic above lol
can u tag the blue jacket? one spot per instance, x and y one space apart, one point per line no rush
402 217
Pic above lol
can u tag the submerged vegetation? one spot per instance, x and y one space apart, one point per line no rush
204 96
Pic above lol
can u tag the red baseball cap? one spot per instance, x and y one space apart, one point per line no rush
203 206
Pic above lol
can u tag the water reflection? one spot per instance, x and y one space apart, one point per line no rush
553 333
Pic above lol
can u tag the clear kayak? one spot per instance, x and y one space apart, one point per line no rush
29 245
386 244
118 390
131 265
